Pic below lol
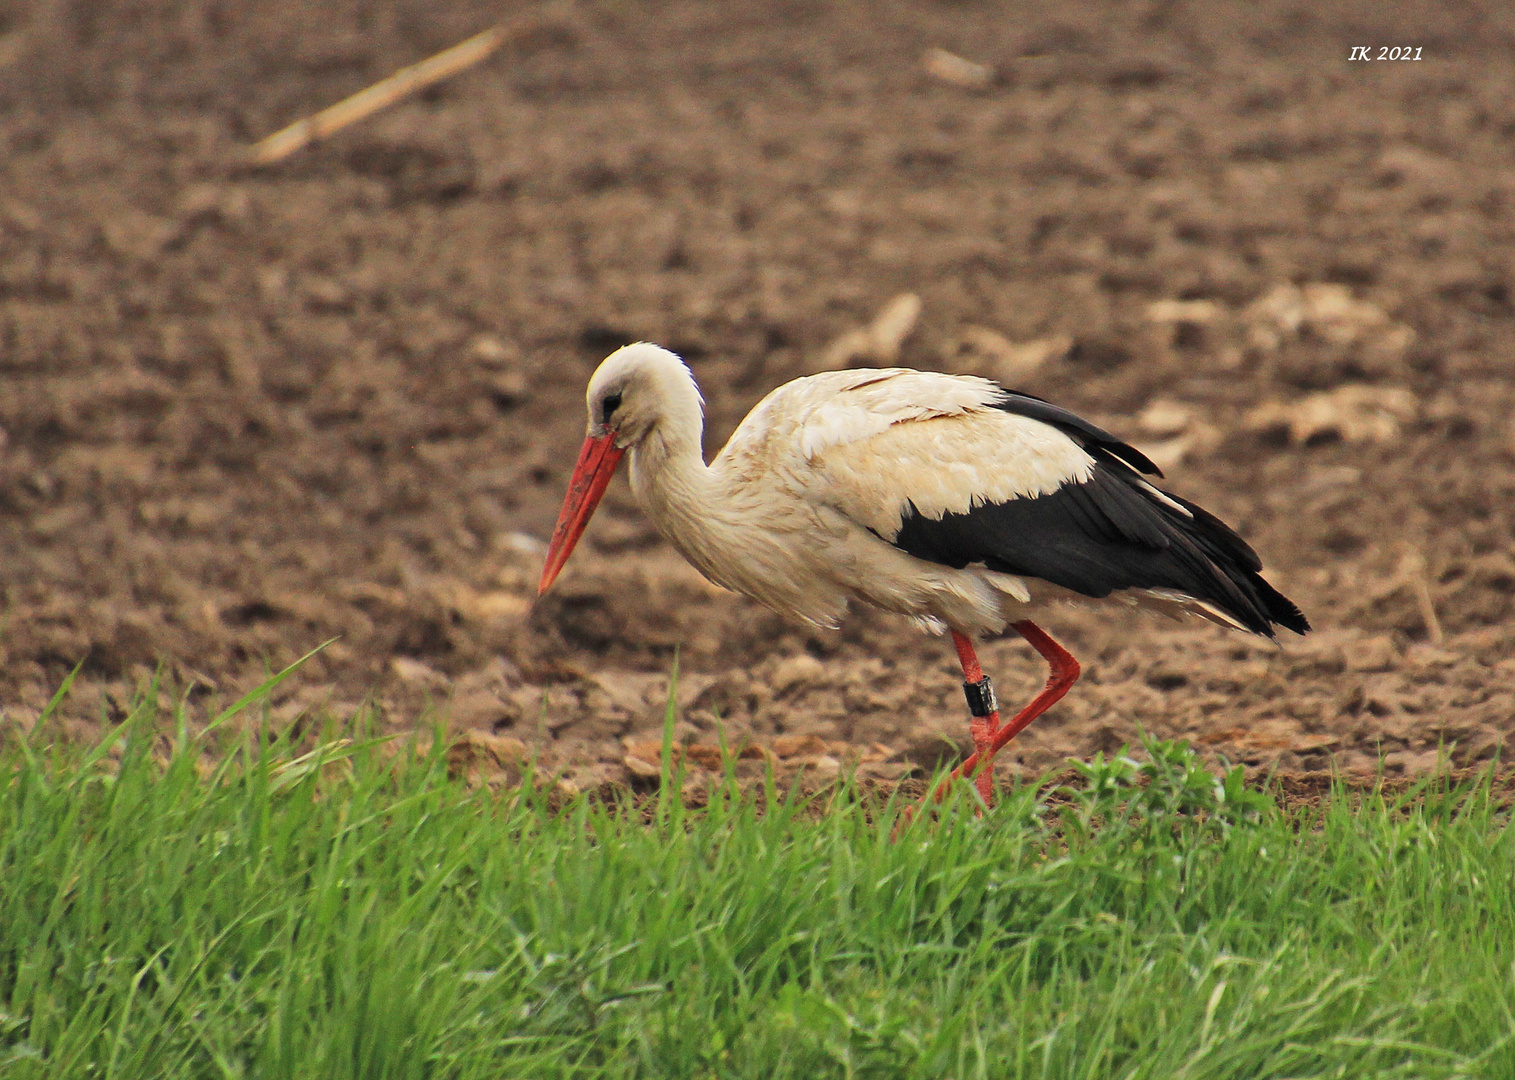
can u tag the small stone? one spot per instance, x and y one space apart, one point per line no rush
646 749
500 605
707 756
957 70
793 746
797 672
521 544
641 767
822 765
1184 311
414 671
491 349
480 755
1165 418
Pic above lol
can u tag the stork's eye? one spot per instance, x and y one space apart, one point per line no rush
611 403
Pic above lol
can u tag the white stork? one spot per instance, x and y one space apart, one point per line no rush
945 498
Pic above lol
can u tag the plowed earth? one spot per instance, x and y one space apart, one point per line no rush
243 411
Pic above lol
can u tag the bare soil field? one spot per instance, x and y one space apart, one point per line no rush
245 410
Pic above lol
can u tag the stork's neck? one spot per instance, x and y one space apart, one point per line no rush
690 506
671 480
684 498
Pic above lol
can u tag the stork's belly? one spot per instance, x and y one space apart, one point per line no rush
973 600
815 578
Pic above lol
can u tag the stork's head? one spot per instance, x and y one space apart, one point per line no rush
636 391
638 388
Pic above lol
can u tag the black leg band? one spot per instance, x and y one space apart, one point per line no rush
980 697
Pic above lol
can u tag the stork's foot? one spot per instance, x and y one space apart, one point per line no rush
988 736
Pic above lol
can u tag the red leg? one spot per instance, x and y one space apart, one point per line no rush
982 728
1063 675
1060 680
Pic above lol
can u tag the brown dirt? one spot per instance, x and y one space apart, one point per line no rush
244 411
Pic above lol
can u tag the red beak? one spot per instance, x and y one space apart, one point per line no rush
591 476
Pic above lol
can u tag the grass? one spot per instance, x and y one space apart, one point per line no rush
352 912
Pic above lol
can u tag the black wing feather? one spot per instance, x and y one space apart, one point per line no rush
1107 533
1084 433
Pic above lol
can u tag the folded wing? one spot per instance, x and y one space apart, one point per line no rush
959 471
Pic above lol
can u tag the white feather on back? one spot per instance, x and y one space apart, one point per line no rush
867 442
799 419
948 465
873 401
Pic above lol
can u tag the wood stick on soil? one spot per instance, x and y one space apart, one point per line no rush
402 83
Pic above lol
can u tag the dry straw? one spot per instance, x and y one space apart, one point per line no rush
401 84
